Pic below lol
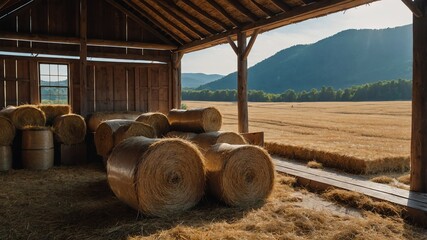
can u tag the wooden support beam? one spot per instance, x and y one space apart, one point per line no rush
224 13
90 42
282 5
139 20
419 102
414 8
205 14
165 19
233 45
251 43
243 10
242 84
261 7
169 10
195 20
176 79
143 13
4 3
16 8
83 57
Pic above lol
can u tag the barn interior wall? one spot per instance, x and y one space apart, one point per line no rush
110 86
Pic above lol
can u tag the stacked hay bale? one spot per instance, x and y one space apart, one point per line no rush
158 121
158 177
7 134
22 117
111 132
52 111
70 133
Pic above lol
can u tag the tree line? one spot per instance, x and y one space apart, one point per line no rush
379 91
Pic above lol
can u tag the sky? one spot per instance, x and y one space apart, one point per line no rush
221 59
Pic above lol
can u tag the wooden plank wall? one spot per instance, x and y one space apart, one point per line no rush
110 86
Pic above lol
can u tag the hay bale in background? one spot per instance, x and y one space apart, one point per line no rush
156 120
7 132
135 129
53 111
69 129
195 120
239 175
109 130
182 135
206 140
158 177
99 117
24 115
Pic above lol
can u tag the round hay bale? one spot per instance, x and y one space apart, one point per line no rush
99 117
156 120
5 158
69 129
135 129
37 148
108 131
183 135
239 175
195 120
52 111
158 177
24 115
7 132
206 140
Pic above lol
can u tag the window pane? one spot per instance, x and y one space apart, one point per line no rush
63 70
63 81
53 69
44 69
44 80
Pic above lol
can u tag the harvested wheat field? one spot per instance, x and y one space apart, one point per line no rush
365 137
76 203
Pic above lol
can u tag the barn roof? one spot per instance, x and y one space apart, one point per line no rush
189 25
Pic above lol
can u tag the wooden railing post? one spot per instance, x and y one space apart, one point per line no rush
419 101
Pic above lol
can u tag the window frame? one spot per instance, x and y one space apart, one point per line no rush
63 87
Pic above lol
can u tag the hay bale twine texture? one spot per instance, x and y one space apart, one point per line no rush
111 132
5 158
37 148
24 115
99 117
69 129
158 177
7 131
158 121
239 175
195 120
52 111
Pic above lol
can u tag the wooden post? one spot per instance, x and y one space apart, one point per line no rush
242 84
83 57
176 79
419 102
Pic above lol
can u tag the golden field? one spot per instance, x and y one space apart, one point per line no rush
363 136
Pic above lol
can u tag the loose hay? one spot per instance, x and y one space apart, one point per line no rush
157 177
382 179
24 115
69 129
7 131
53 111
405 179
314 164
99 117
156 120
110 132
195 120
239 175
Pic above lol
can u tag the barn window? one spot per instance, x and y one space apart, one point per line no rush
54 83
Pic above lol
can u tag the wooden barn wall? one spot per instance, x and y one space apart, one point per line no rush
110 86
61 18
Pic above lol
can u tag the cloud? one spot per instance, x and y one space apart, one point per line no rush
222 59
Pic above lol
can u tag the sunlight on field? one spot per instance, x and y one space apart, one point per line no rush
367 130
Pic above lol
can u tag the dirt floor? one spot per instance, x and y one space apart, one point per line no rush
76 203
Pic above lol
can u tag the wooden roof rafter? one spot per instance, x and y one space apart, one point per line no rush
243 10
205 14
15 8
261 7
224 13
282 5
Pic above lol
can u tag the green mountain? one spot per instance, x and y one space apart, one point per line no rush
348 58
194 80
